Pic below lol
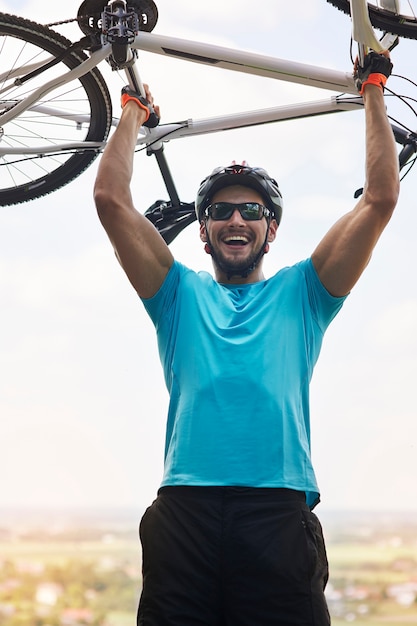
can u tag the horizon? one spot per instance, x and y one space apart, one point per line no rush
127 511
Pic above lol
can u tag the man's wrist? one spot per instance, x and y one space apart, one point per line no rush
127 97
379 80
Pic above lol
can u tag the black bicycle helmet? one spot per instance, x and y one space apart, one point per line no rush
254 177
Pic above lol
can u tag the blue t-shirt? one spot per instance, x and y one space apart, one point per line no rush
238 360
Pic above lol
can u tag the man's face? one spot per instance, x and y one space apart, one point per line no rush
236 242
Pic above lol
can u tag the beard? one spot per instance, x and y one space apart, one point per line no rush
236 267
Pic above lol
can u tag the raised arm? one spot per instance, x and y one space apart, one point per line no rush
346 249
140 249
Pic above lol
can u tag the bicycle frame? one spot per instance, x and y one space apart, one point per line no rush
117 40
207 54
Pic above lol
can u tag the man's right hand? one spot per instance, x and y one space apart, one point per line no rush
153 117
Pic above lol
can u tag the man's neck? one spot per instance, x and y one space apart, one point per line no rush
255 276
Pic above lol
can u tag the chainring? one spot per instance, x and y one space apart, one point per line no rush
89 15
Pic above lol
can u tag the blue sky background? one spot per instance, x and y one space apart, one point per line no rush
82 398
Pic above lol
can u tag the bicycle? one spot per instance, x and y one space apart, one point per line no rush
39 88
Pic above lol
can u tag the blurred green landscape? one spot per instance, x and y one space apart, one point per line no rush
79 570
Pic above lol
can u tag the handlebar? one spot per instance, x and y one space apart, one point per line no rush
409 142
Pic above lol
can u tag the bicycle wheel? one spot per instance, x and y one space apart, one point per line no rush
76 112
403 24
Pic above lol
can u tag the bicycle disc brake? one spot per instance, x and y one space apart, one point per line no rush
90 12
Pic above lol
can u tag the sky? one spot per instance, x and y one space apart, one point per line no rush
82 397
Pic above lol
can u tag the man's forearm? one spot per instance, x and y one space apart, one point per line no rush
116 166
382 170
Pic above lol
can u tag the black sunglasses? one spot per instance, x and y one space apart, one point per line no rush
248 210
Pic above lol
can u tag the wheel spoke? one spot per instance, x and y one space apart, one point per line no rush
73 113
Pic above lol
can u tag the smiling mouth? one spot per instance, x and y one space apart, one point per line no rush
236 240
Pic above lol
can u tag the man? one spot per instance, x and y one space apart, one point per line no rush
231 539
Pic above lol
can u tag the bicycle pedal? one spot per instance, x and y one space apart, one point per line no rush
119 28
89 15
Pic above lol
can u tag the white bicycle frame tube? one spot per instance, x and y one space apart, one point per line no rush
165 132
38 94
246 62
208 54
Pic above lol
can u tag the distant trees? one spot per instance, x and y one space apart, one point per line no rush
83 585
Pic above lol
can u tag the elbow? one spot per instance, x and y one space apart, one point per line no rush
101 195
387 203
384 200
392 192
114 207
101 198
106 202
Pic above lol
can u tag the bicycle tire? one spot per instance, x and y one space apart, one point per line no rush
386 21
25 178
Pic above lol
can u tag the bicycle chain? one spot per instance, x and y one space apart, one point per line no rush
74 19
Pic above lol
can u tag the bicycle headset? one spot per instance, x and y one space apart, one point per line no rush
253 177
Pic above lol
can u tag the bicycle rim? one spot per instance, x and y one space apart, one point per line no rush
76 112
403 24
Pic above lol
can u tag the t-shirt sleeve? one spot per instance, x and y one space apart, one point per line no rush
162 303
323 305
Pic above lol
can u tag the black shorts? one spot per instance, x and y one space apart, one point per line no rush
232 556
